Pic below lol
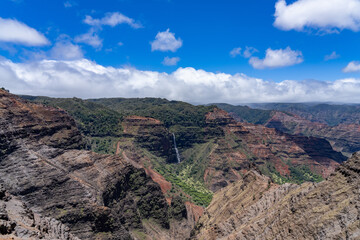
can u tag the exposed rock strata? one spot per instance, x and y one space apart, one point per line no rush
239 146
17 221
343 137
254 208
88 195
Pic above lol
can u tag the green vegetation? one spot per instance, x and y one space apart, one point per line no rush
197 160
104 145
195 189
185 120
302 173
171 113
5 89
92 119
298 174
255 116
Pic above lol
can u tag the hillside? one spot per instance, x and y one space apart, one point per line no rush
215 150
255 208
338 124
330 114
75 192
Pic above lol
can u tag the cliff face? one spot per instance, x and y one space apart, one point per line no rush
94 196
151 134
17 221
343 137
238 146
338 124
254 208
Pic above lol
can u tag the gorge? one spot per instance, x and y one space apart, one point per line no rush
233 179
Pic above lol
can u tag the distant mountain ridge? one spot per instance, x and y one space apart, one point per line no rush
339 124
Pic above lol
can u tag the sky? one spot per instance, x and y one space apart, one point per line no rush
234 51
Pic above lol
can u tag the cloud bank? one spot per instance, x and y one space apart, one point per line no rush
86 79
324 15
277 58
14 31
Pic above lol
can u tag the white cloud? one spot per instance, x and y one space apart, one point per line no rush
235 52
83 78
170 61
331 56
112 19
166 41
90 38
277 58
65 50
324 15
353 66
249 51
14 31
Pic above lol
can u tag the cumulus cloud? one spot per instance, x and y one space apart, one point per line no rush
166 41
170 61
277 58
324 15
13 31
235 51
90 38
63 49
331 56
86 79
112 19
353 66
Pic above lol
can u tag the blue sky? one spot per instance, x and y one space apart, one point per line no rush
192 35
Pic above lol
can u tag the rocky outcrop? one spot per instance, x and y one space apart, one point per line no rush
76 192
255 208
277 154
151 134
17 221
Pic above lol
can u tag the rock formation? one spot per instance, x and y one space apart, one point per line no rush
78 193
255 208
239 146
344 138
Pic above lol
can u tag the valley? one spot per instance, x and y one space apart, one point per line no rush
110 169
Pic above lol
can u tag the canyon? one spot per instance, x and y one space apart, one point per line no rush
233 179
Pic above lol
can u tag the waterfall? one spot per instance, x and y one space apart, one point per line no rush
176 150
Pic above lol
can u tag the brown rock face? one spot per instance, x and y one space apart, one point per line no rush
254 208
241 145
94 196
17 221
150 134
343 137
